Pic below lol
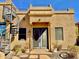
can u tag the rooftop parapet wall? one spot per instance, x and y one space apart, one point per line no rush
42 8
37 10
69 11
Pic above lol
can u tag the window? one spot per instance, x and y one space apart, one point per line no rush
59 33
22 33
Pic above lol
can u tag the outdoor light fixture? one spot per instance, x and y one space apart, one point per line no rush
39 19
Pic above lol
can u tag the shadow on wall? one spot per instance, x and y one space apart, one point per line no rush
77 41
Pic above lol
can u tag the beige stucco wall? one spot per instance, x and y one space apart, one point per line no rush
23 23
1 13
67 22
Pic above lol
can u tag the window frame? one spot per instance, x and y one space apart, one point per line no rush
22 34
61 31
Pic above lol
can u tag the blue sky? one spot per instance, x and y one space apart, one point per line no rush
56 4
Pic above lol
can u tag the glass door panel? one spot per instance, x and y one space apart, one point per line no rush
35 43
40 37
44 39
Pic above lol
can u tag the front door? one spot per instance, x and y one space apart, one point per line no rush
40 37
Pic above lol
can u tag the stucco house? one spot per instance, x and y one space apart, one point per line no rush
41 27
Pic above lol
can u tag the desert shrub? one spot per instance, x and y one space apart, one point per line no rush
73 51
23 50
16 48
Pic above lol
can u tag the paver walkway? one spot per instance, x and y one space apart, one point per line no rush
39 54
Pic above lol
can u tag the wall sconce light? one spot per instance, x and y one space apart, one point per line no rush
39 19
